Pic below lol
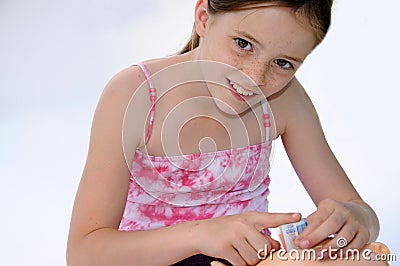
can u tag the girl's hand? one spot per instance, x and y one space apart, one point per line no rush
238 238
343 220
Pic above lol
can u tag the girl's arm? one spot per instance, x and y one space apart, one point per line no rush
340 208
101 197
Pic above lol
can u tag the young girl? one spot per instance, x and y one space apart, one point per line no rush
177 169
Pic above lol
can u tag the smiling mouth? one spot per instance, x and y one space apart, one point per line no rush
240 90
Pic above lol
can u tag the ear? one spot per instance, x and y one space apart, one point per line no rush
201 17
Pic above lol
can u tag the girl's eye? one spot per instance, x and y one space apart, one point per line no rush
243 44
283 63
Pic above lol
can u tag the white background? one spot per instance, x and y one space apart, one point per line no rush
56 57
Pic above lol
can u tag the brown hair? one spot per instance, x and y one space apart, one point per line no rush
318 13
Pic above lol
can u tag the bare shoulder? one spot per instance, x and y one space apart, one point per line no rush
132 80
123 85
125 91
292 106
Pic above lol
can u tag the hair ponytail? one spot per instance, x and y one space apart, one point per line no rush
192 43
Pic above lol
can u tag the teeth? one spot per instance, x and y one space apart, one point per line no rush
240 90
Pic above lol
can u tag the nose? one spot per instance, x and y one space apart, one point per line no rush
256 71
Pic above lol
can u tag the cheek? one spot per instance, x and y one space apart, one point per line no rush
228 57
275 84
217 49
274 81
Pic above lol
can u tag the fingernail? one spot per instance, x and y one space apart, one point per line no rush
216 263
295 215
304 244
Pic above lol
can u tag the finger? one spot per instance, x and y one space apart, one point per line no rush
313 222
330 247
276 245
358 242
247 252
325 209
272 220
332 225
341 245
343 237
258 240
262 244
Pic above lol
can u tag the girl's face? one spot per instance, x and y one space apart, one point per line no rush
264 46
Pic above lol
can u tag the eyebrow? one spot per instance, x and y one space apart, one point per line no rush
298 60
254 40
248 36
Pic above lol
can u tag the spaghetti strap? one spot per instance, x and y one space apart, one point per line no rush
153 98
267 122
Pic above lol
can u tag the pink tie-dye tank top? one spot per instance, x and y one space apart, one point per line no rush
164 191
